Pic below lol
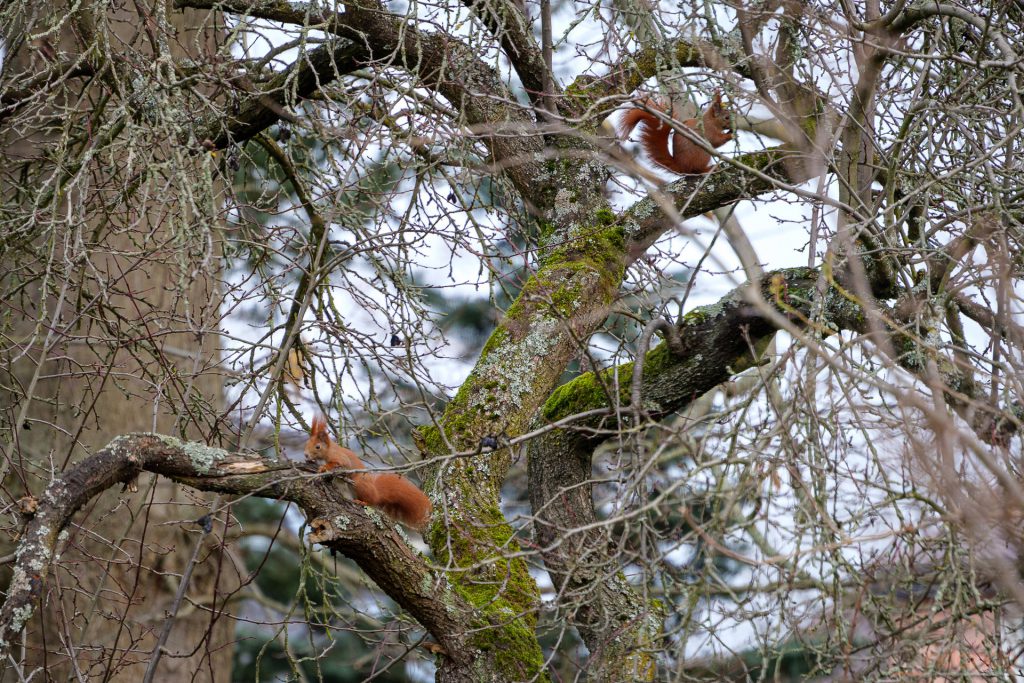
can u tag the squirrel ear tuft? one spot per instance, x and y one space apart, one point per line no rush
319 426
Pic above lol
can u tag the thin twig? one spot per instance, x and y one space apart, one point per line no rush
186 576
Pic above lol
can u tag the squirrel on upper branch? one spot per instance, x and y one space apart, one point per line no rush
398 497
685 156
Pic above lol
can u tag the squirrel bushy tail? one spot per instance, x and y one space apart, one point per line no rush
685 156
398 497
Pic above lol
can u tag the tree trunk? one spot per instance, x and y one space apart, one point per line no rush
110 310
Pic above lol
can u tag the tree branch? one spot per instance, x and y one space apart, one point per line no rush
509 24
339 524
715 341
707 347
264 108
442 62
743 178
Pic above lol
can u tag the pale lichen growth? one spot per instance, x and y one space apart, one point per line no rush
54 493
442 588
19 582
37 548
512 368
169 441
20 617
40 561
62 539
381 521
566 206
119 441
644 210
630 227
203 458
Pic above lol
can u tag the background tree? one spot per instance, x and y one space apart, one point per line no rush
112 305
812 474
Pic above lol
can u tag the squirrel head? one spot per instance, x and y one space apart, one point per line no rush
319 440
718 108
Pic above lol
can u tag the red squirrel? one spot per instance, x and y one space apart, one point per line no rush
685 157
398 497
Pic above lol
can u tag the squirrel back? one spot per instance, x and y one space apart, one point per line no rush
398 497
685 156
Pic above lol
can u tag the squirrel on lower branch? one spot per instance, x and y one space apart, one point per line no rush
685 156
398 497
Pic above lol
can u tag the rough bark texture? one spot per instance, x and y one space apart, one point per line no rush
585 251
443 63
561 304
620 625
108 336
708 346
360 533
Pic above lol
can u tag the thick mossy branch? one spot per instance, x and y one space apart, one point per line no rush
377 548
716 341
584 254
519 366
530 348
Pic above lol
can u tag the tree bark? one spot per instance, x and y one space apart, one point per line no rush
113 311
336 522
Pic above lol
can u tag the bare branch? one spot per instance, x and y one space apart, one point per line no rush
367 538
